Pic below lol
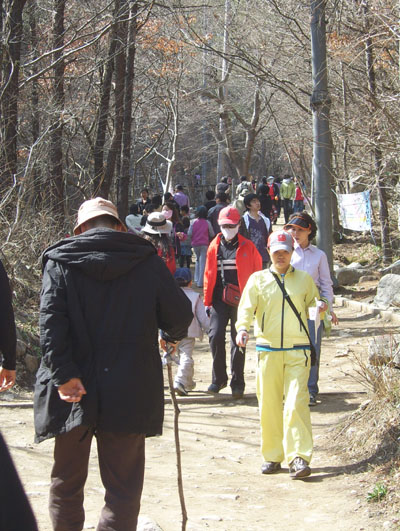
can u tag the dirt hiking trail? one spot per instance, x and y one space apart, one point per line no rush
224 489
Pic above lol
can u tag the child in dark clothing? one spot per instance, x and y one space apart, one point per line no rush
186 246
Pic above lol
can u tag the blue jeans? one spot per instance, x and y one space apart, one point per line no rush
314 371
201 254
298 206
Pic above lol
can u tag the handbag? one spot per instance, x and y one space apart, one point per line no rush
291 304
231 292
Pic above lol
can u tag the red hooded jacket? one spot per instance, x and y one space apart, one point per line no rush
248 261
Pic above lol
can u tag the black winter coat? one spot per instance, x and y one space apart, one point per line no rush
104 296
265 199
15 511
8 338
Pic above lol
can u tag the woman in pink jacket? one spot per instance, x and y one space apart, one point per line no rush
202 233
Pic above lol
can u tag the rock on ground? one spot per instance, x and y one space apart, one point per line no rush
388 292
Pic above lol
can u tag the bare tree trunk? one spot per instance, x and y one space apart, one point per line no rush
11 29
263 167
235 160
377 151
123 192
251 132
345 128
35 121
337 229
223 91
120 66
56 131
172 156
322 144
104 109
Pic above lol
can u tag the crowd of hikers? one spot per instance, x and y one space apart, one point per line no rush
101 370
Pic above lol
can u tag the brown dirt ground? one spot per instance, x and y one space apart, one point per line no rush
223 486
221 460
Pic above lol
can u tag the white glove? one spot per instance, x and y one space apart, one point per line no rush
242 338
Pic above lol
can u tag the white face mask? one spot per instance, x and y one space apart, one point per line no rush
229 234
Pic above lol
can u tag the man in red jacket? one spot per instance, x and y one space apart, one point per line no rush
231 259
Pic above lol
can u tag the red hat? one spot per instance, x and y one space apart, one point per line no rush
229 216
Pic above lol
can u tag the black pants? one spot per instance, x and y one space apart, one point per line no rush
287 208
221 314
121 462
183 258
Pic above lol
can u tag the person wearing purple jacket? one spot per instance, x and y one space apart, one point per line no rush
180 197
202 233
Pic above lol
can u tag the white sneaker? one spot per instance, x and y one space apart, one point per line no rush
180 389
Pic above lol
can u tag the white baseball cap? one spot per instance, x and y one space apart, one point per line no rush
280 240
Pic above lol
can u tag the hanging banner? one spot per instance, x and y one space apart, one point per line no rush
355 211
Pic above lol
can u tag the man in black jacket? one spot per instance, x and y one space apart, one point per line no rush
212 216
8 340
104 297
15 510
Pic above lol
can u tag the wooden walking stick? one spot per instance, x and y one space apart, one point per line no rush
168 361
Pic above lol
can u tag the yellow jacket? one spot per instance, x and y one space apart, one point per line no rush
276 325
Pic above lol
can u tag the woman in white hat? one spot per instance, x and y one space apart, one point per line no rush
157 231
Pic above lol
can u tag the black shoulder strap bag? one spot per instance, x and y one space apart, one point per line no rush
291 304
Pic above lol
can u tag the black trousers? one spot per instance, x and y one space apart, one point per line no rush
121 462
221 314
184 258
287 208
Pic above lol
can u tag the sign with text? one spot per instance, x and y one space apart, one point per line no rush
355 211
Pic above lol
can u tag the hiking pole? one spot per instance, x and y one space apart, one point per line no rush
168 361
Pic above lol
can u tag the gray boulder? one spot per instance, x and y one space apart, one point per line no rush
347 276
393 268
388 292
22 347
31 363
367 278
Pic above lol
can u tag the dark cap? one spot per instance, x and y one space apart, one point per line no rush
297 222
183 274
249 198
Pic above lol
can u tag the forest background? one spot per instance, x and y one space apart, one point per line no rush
105 97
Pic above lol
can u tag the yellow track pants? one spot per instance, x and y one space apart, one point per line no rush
285 429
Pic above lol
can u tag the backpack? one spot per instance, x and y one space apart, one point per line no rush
243 189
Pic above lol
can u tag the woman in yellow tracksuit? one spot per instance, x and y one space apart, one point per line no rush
283 357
